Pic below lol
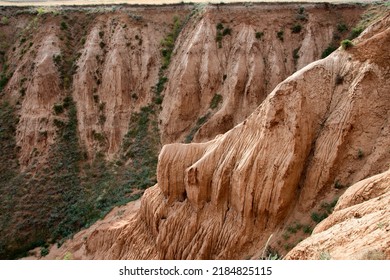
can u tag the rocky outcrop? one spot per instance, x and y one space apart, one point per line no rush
117 69
227 67
359 227
94 96
322 129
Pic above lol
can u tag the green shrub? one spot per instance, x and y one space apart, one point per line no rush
168 43
338 185
219 26
259 35
4 20
227 31
296 28
160 84
356 32
342 27
280 35
286 236
198 124
63 25
44 251
295 54
346 44
58 109
307 229
292 229
219 37
217 98
58 123
360 154
328 51
3 80
318 217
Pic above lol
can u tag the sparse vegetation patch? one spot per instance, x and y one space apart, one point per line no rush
215 101
280 35
346 44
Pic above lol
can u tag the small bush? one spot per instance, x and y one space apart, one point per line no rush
356 32
58 109
292 229
286 236
101 34
102 119
215 101
160 84
295 54
158 100
63 25
259 35
280 35
346 44
58 123
219 26
57 59
307 229
102 45
328 51
227 31
342 27
296 28
338 185
67 101
3 80
44 251
4 20
360 154
318 217
219 37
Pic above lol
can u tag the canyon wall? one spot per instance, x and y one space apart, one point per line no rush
315 138
89 94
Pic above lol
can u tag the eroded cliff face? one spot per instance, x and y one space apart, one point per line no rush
109 62
359 226
92 91
321 130
230 59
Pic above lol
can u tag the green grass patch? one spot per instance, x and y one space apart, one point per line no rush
217 99
346 44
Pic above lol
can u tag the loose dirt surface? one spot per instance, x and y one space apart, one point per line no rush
148 2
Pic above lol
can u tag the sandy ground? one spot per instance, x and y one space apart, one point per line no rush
153 2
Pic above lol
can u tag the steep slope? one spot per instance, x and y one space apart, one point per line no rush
230 59
324 128
82 87
359 226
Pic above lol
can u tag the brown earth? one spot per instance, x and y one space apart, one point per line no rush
110 83
320 131
86 86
